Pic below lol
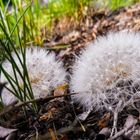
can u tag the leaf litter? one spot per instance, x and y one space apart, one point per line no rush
57 118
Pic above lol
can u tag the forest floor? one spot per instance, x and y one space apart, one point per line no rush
58 117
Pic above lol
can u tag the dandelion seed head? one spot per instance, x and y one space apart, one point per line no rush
45 73
104 74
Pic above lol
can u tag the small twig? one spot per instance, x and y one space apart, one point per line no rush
114 129
78 120
120 133
16 106
117 110
62 131
129 124
36 133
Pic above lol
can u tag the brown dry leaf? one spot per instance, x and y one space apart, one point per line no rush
61 90
53 136
63 137
65 25
48 115
72 36
104 120
60 46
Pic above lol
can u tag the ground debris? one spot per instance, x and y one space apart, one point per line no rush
58 117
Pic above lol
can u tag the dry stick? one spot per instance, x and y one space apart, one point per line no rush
120 133
129 124
114 129
13 107
61 131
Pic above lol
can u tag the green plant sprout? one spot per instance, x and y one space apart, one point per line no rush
8 45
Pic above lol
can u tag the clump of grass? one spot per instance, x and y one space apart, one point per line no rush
115 4
65 15
74 8
39 19
18 28
35 20
8 44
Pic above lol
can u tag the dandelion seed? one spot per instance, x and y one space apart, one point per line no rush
109 82
45 73
108 64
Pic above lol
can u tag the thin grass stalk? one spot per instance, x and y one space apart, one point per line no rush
25 72
6 7
10 82
2 5
12 60
18 20
23 51
4 21
22 95
27 79
17 27
24 59
13 64
10 78
11 43
14 70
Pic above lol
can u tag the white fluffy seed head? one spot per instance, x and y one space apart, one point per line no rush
45 73
108 71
